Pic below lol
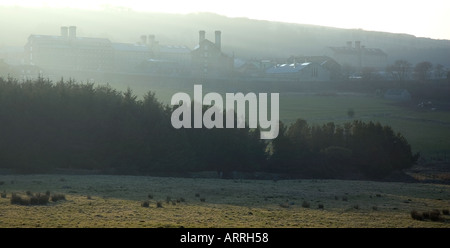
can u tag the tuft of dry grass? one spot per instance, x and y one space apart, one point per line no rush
416 215
284 205
58 197
435 215
29 199
145 204
305 204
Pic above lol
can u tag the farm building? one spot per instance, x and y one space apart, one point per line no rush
69 52
252 68
299 71
208 58
326 62
128 57
359 56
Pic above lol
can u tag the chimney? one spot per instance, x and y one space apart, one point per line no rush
201 36
358 44
72 31
349 44
64 32
144 39
218 41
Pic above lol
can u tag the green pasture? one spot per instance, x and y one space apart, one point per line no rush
427 131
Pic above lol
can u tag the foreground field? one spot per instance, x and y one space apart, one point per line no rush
116 201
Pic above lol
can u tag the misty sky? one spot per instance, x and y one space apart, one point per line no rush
429 18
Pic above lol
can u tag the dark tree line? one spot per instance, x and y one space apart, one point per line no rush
46 125
356 149
403 70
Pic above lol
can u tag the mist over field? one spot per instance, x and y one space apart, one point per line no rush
87 134
244 37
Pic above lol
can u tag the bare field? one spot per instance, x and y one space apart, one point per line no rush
116 201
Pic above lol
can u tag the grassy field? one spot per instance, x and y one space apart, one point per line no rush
116 201
427 131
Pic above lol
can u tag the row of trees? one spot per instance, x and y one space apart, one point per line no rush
356 149
400 70
403 70
45 125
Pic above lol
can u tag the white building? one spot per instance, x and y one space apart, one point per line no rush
129 57
358 56
307 72
69 52
299 71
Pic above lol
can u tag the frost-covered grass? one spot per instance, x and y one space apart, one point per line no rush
116 201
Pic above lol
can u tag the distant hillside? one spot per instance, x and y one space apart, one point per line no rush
243 37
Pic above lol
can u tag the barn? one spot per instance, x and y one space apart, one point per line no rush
308 71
